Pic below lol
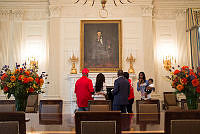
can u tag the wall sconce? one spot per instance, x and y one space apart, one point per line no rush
73 59
131 60
168 61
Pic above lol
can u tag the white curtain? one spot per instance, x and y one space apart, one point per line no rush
183 47
10 40
16 42
4 41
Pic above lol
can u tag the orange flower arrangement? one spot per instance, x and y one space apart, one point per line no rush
21 81
185 80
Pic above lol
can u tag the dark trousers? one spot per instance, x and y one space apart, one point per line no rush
121 108
83 109
129 106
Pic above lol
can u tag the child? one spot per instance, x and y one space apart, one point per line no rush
149 89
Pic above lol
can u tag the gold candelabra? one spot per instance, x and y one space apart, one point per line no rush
131 60
73 59
33 64
168 61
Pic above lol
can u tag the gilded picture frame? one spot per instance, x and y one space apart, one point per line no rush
101 45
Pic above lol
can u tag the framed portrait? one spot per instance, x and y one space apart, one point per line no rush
101 45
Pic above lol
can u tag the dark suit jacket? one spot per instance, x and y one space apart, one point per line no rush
121 91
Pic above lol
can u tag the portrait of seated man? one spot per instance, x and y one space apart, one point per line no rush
101 46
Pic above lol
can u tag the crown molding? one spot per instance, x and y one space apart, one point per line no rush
169 13
27 9
147 11
24 14
172 9
25 3
55 11
172 4
16 14
36 14
24 0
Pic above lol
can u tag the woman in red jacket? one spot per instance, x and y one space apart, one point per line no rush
131 95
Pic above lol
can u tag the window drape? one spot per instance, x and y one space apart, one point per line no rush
10 40
193 23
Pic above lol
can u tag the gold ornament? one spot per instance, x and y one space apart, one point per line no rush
168 61
73 59
131 60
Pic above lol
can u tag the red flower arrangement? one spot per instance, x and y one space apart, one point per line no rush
21 81
186 81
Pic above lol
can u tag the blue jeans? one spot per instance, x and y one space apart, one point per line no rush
83 109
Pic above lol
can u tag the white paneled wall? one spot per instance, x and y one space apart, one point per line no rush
166 43
35 44
132 42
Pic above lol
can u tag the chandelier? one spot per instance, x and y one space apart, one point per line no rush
103 4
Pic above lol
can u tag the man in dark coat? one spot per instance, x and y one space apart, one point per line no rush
121 92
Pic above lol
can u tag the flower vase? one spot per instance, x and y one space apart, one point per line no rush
192 102
20 103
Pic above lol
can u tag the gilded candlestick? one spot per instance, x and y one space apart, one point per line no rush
73 59
131 60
